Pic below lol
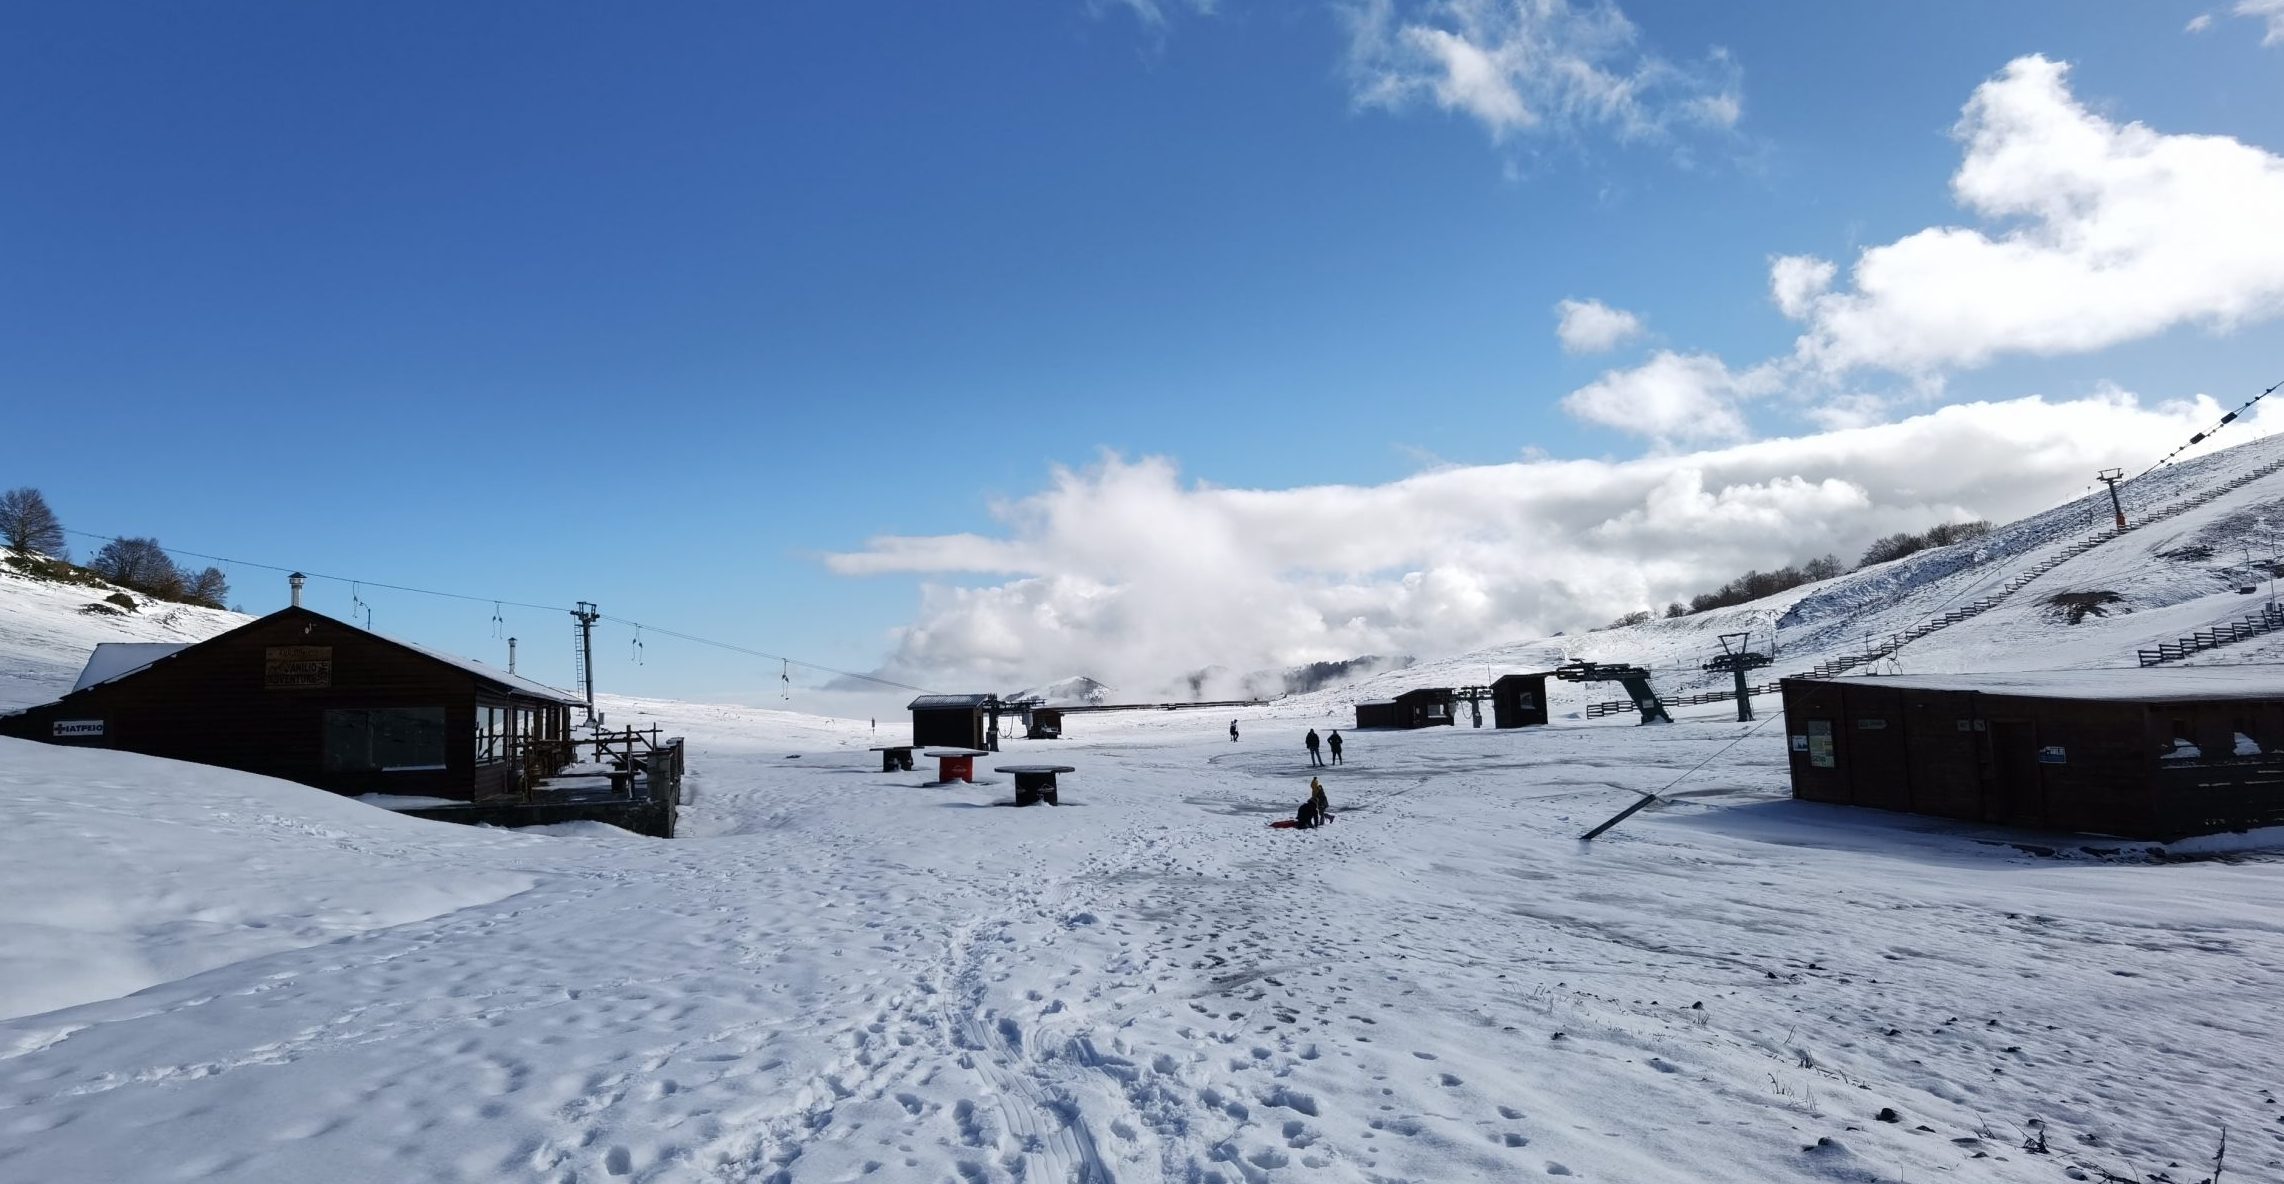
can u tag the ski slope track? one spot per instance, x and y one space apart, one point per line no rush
837 974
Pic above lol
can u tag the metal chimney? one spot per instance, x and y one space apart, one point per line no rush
297 580
511 655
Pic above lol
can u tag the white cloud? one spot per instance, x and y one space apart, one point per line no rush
1531 65
1152 13
2111 232
2198 23
1592 327
1126 573
2271 11
1673 397
1795 281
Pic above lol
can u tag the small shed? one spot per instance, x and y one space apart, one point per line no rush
950 721
1518 700
2136 753
1432 707
299 695
1046 724
1428 708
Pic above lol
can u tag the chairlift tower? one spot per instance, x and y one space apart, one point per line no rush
1738 657
1635 679
2111 477
583 654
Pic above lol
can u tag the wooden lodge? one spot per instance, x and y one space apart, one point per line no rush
2137 753
1518 701
299 695
1428 708
951 721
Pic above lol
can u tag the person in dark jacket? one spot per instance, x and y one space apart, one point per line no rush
1316 811
1233 731
1333 742
1312 742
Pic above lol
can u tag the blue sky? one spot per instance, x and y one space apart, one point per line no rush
659 307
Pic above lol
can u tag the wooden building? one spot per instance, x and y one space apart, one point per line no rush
1427 708
1045 723
302 696
2137 753
1518 701
950 721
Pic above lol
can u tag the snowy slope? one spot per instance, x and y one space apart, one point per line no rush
2167 586
47 632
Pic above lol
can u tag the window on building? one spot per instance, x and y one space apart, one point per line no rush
491 734
384 739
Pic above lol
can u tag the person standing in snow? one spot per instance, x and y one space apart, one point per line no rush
1233 731
1315 761
1333 742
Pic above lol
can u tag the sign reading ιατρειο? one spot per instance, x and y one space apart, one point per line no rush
291 667
77 727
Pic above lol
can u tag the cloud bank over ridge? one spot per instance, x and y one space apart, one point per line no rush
1126 573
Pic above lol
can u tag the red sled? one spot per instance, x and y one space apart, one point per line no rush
1284 824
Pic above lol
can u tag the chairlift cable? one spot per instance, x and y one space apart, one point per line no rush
357 604
2202 436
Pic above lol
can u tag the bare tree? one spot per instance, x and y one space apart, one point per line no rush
28 525
140 564
209 588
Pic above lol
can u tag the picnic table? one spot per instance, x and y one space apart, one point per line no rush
895 757
956 764
1034 782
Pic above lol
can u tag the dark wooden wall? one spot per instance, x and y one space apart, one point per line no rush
2061 764
1518 701
947 727
215 704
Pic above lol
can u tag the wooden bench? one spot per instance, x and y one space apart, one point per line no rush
895 757
1035 782
956 764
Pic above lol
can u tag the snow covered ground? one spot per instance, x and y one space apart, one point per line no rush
838 974
841 973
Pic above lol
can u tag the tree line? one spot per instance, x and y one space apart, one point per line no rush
30 528
1754 585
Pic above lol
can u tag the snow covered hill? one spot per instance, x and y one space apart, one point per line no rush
47 630
837 974
2170 575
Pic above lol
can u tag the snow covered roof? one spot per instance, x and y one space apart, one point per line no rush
938 702
2129 683
112 659
117 659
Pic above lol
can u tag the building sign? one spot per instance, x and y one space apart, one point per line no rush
297 667
1820 754
2053 754
1800 743
77 727
1871 725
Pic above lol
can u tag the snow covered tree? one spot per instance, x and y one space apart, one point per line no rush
28 525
